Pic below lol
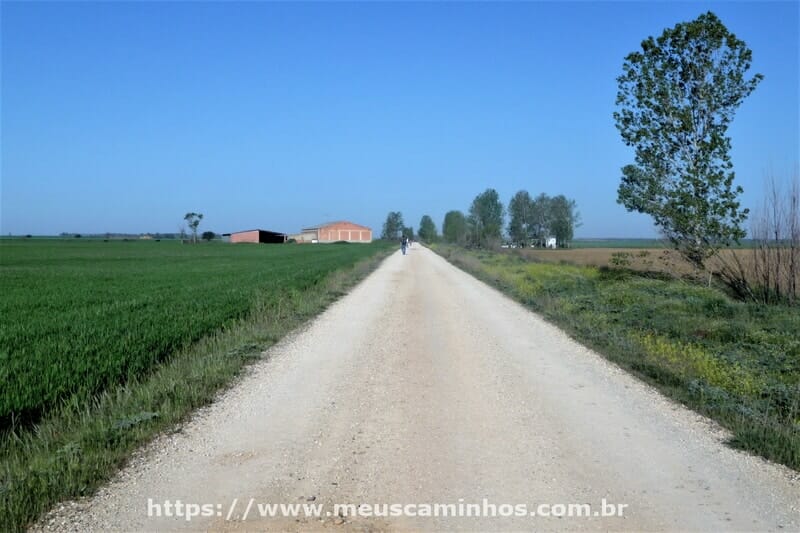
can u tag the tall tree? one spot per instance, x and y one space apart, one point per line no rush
485 220
564 218
520 212
427 229
193 221
677 97
393 227
540 219
454 227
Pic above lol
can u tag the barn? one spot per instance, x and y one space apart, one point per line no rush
335 232
256 236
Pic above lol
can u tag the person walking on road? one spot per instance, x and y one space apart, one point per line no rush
404 244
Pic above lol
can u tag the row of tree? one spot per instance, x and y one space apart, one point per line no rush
531 222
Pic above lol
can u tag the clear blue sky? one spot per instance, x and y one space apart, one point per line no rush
122 117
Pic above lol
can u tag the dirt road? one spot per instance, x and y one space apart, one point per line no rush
425 386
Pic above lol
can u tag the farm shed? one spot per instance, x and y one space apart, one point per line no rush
335 231
257 236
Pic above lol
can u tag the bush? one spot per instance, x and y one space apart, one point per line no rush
621 259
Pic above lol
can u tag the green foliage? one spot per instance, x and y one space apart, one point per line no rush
485 221
677 97
393 227
520 212
427 229
193 221
540 219
564 218
454 227
209 236
134 420
77 317
621 259
737 362
534 220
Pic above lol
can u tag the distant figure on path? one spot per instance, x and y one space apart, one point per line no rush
404 244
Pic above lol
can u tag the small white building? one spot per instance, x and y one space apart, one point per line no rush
550 242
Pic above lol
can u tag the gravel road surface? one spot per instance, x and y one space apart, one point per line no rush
424 386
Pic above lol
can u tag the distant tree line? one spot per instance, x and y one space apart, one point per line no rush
534 220
117 236
531 222
207 235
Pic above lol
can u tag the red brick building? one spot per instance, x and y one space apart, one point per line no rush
335 231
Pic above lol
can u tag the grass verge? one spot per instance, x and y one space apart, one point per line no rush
72 450
736 362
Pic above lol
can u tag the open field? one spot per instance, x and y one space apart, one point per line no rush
637 243
617 243
106 344
747 262
736 362
656 259
77 317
